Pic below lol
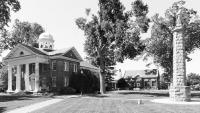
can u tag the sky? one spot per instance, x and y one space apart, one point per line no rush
58 18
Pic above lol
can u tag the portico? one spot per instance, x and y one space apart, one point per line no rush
25 60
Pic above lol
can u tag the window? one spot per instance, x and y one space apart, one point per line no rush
54 82
44 67
145 83
46 45
66 81
44 82
54 66
75 68
33 68
21 53
138 84
66 66
153 83
113 84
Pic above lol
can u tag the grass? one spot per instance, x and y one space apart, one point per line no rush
9 102
99 105
119 102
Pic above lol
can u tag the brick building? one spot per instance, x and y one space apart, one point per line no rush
42 68
142 79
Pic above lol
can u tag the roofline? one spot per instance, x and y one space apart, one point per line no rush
63 57
73 48
78 53
18 45
50 57
88 67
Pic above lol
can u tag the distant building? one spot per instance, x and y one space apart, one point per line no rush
143 79
116 78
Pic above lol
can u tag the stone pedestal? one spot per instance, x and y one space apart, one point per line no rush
180 93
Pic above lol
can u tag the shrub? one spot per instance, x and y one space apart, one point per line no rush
68 90
121 83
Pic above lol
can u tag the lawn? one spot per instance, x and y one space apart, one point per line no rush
119 102
9 102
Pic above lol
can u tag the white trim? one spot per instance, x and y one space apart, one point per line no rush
66 66
27 59
54 62
20 45
75 52
66 81
62 57
74 67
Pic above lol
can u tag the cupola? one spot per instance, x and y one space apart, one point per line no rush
46 41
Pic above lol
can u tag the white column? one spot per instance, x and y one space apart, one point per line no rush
18 79
36 77
9 79
27 86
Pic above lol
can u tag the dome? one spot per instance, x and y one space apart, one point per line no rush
46 36
46 41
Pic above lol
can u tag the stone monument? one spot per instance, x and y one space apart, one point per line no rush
179 91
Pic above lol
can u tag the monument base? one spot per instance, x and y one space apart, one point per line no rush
180 93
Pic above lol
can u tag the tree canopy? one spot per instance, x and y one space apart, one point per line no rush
193 79
160 45
111 35
5 7
22 32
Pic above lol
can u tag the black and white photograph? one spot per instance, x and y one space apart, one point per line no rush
99 56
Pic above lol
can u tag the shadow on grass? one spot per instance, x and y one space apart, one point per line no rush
6 98
151 94
95 95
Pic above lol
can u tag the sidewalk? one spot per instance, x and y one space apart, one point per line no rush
35 106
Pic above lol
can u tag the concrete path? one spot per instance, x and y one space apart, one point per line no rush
35 106
168 101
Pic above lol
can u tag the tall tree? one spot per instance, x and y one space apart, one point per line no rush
111 35
5 7
160 45
22 32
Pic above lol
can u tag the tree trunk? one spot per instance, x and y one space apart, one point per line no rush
102 75
102 83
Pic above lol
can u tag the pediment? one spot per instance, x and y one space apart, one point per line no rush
19 51
72 53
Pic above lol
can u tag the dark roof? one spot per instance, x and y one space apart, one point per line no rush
150 73
45 52
36 50
59 51
86 64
